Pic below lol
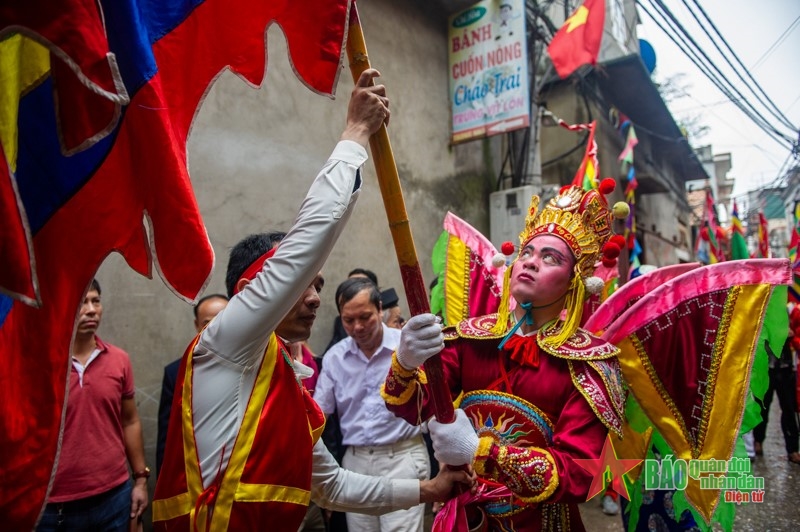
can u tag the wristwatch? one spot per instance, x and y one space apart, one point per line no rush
144 473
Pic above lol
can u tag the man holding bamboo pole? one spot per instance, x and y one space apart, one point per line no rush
243 449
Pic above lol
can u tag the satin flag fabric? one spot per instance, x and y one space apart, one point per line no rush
762 251
96 104
468 284
687 349
577 43
738 242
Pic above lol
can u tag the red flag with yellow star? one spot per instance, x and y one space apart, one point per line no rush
578 41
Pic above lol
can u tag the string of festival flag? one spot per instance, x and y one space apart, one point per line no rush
713 239
586 177
628 169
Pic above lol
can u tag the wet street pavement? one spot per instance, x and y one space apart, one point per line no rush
780 511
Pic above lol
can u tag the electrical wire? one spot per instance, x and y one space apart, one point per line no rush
761 122
776 44
696 54
678 34
775 111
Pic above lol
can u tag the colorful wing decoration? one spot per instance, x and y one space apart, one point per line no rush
468 283
631 292
692 347
96 103
687 349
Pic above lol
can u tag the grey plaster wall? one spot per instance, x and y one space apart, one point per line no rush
254 152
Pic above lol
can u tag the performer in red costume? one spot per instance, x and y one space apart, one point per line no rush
538 391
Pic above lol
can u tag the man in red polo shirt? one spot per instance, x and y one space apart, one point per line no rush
102 435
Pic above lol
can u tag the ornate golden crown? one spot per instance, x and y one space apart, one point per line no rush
580 218
583 221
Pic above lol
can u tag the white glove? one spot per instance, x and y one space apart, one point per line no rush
454 443
420 339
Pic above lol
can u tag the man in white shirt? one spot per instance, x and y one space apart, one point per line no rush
377 442
242 450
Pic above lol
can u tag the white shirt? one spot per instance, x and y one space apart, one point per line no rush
350 384
230 349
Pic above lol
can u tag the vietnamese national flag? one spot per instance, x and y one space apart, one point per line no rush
96 102
577 43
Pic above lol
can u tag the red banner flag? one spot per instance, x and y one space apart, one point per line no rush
586 176
708 247
578 41
762 252
70 199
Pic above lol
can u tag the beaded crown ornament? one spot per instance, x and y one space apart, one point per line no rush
583 220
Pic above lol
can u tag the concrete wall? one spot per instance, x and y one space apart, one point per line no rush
665 229
253 154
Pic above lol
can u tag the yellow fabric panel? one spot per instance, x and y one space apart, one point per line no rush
272 493
247 433
728 386
165 509
456 282
23 63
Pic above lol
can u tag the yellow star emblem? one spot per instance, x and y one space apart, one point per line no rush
578 18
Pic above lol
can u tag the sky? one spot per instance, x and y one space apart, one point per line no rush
753 29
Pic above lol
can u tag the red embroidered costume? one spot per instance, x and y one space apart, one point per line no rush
540 401
533 416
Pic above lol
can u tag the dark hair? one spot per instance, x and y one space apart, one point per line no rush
95 286
206 298
368 273
389 298
245 253
352 287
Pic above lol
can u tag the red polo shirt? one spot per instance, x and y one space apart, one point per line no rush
92 458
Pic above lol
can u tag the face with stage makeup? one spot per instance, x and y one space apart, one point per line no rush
542 273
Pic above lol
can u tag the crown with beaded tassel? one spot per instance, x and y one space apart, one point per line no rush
583 220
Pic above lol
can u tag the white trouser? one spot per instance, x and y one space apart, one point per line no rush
404 459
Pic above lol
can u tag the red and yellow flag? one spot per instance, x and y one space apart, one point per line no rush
762 251
586 176
738 242
578 41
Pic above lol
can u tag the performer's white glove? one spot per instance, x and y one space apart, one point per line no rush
454 443
420 339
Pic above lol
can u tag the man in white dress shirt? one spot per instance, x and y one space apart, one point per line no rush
377 442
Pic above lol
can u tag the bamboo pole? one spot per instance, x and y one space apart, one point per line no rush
393 202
